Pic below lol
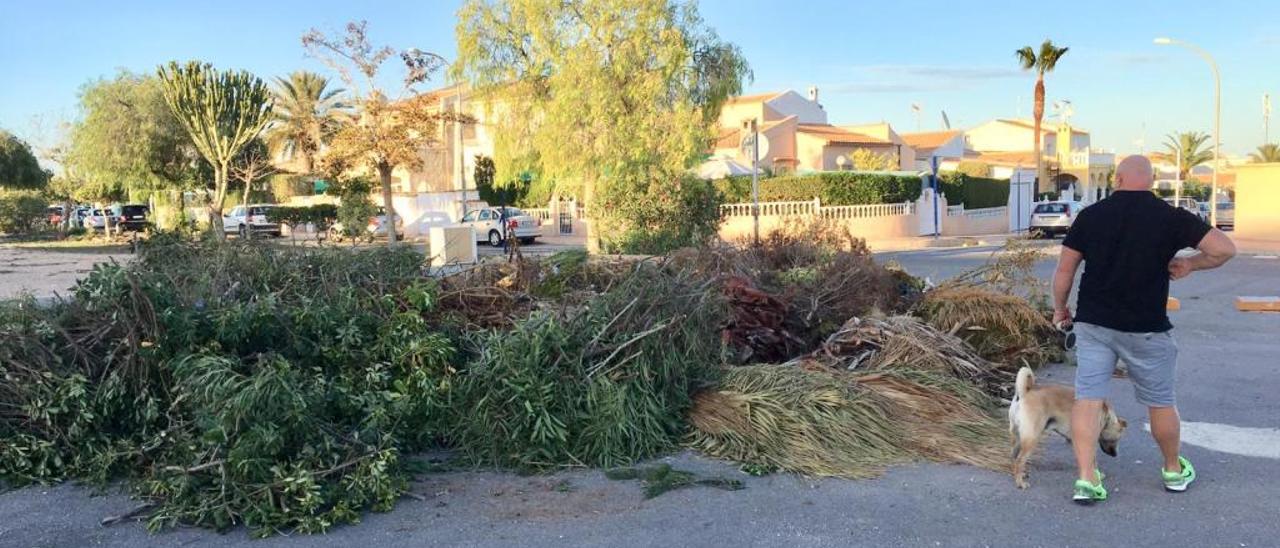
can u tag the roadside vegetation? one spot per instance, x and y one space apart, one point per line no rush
288 388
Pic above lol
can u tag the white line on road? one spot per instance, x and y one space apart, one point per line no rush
1237 440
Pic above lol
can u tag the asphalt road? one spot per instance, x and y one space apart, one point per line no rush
1229 375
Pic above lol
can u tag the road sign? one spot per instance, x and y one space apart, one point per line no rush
745 147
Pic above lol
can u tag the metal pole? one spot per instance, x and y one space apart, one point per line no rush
755 183
1217 140
1177 180
1217 122
457 132
933 180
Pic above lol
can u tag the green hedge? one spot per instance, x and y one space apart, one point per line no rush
834 188
975 192
21 211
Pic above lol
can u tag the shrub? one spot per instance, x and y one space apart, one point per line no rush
287 185
833 188
257 385
974 192
655 216
21 211
354 210
974 169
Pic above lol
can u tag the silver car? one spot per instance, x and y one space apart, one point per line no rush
488 225
1051 218
1226 214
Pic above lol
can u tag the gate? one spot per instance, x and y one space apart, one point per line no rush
566 222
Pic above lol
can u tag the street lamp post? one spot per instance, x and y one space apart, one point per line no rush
1217 121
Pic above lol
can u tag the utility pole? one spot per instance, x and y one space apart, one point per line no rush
1266 118
1177 180
457 135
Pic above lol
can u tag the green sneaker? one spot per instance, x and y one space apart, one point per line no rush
1089 493
1178 481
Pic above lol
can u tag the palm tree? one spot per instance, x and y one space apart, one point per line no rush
1043 62
1268 153
1192 146
307 113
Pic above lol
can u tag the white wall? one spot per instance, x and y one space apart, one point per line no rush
790 103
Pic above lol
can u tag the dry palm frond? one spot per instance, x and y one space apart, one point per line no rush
903 342
821 422
1011 271
1001 327
942 418
811 422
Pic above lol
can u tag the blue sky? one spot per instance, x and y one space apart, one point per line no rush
870 60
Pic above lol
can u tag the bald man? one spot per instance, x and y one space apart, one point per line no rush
1128 243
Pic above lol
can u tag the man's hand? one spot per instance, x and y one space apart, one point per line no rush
1061 318
1180 268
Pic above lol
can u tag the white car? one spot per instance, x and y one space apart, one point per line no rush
97 219
1188 204
244 220
1051 218
487 223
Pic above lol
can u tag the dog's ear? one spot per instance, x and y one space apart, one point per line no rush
1124 423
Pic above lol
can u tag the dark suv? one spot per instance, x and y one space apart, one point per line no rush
134 217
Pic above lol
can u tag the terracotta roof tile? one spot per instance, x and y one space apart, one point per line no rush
833 134
929 139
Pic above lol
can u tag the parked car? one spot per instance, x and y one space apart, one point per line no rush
1052 218
134 217
1226 214
53 214
98 219
1188 204
488 225
246 220
79 215
376 228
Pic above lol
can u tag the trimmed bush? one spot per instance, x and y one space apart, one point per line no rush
833 188
975 192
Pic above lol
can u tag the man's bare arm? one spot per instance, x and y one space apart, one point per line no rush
1215 250
1063 278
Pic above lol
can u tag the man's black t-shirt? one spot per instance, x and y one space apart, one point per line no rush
1127 241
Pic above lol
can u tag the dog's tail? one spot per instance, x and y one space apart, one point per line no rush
1026 380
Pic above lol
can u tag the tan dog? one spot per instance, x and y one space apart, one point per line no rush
1039 409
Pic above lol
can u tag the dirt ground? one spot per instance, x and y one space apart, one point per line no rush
47 271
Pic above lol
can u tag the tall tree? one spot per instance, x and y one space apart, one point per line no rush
1042 62
126 139
222 111
19 168
307 113
1193 148
1268 153
389 131
617 93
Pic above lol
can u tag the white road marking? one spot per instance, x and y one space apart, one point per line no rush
1237 440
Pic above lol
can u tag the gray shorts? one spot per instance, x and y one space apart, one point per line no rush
1151 357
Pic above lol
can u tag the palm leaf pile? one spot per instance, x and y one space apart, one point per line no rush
824 422
999 326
